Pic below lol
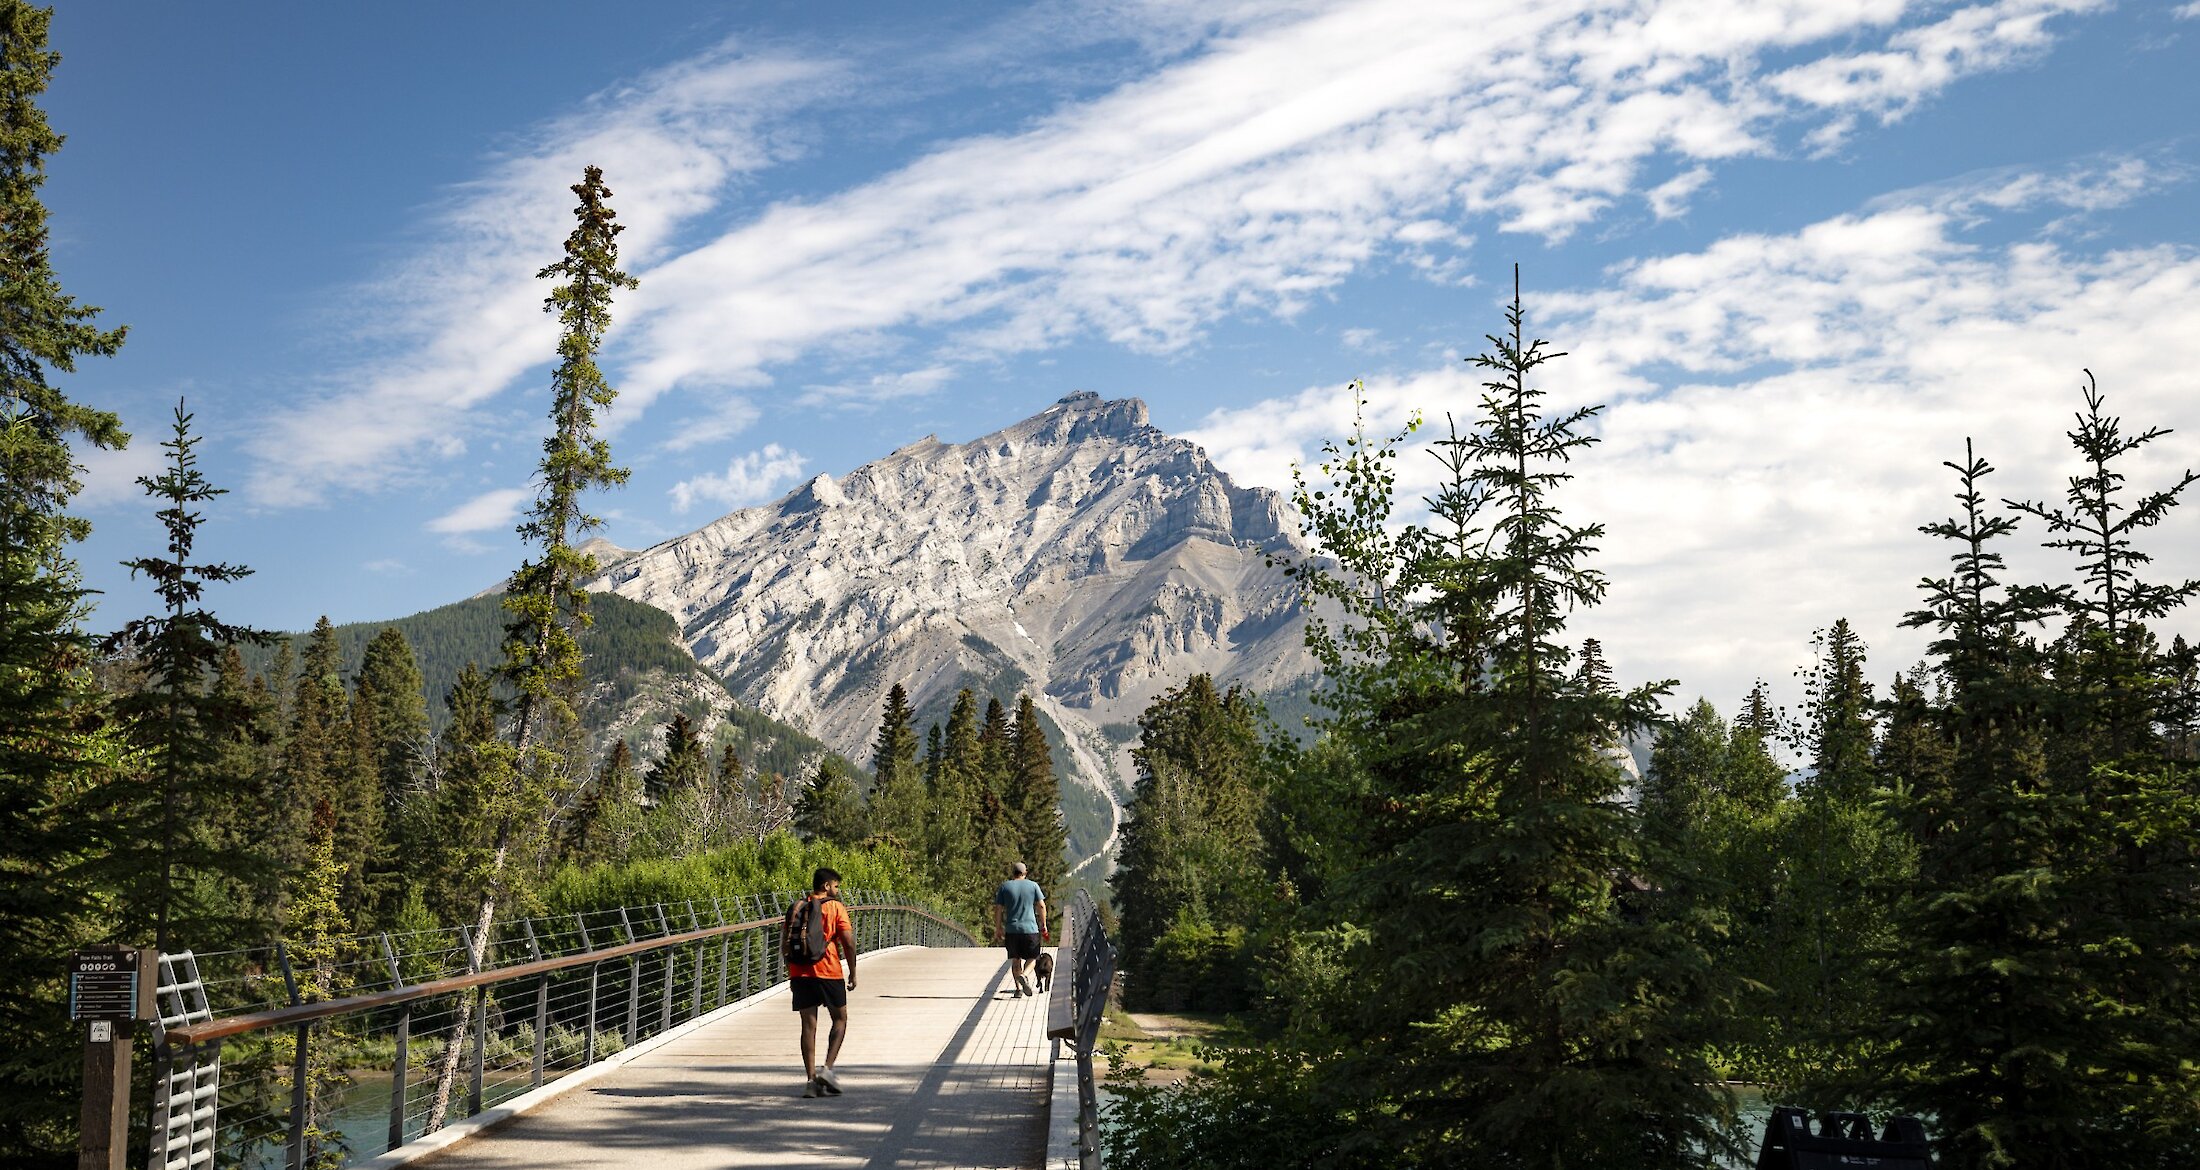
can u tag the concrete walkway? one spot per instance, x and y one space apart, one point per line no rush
944 1067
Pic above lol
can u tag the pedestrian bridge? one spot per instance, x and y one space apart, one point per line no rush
659 1038
944 1065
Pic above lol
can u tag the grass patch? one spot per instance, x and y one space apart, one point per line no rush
1170 1042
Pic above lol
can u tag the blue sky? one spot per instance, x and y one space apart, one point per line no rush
1802 248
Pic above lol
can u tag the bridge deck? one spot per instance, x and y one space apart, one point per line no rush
943 1067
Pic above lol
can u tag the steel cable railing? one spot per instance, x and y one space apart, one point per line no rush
288 1057
1075 1010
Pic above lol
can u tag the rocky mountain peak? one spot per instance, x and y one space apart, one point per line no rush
1081 554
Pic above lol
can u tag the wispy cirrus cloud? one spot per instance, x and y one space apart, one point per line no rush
457 325
1780 406
749 478
1268 154
492 509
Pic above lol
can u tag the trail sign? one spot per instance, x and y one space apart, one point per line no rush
108 984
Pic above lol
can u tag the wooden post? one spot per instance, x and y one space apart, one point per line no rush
110 989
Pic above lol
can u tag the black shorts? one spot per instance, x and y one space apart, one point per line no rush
810 991
1023 946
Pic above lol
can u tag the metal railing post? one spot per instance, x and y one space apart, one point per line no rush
481 1023
695 995
664 1011
300 1070
588 1045
542 1005
401 1063
633 985
725 948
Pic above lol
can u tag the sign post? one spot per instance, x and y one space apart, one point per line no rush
110 989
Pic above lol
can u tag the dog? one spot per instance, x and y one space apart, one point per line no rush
1043 967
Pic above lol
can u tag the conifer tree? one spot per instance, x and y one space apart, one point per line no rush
2098 524
953 827
160 855
316 923
52 738
1035 797
1190 844
389 686
830 809
2000 1020
684 763
1514 989
542 656
608 814
1757 716
898 789
1842 861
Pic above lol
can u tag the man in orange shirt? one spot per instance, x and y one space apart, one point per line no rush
820 983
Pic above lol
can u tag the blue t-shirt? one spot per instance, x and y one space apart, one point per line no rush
1018 899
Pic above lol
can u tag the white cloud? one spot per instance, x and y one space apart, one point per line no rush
2189 11
1779 409
880 388
1670 198
110 477
732 415
1273 152
748 479
388 567
451 329
493 509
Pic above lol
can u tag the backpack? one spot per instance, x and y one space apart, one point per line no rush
802 935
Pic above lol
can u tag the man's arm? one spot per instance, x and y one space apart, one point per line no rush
847 941
996 920
1043 915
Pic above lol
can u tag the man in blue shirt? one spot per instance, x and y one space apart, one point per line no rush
1019 917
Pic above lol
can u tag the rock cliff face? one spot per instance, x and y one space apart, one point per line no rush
1081 555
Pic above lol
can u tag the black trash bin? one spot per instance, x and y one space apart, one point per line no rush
1842 1141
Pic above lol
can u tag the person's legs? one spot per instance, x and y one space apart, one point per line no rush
839 1033
809 1043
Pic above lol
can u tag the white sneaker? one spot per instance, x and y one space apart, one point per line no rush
810 1088
1023 986
828 1080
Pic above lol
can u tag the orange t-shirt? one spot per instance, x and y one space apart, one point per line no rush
836 920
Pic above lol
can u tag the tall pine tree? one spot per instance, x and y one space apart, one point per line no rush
897 788
161 855
52 738
542 655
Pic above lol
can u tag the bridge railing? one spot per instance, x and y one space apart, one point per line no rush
314 1056
1076 1007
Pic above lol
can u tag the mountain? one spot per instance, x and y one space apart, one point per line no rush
638 670
1082 555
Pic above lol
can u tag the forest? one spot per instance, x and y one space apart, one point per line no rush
1456 928
1972 896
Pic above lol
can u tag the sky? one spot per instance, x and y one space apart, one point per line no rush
1800 252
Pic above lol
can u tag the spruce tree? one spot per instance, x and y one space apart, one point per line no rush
159 853
390 687
542 656
830 809
53 739
1507 982
1034 798
1842 862
683 764
1995 1025
315 927
1190 844
957 796
608 814
898 789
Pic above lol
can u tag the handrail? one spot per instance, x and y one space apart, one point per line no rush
189 1034
1062 997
